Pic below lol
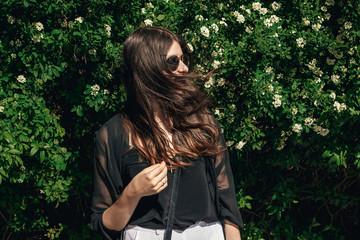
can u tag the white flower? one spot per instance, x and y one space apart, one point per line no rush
216 64
271 88
92 51
339 106
256 6
277 101
37 38
39 26
148 22
2 108
327 16
248 11
269 70
143 10
240 18
297 128
306 21
347 25
109 75
270 21
343 69
209 83
330 61
223 23
215 27
199 17
240 145
335 78
106 91
149 5
318 80
324 9
229 143
190 47
95 89
263 11
330 2
217 112
294 110
13 55
316 26
21 79
276 6
309 121
221 82
205 31
249 29
333 95
107 30
323 132
300 42
79 19
11 20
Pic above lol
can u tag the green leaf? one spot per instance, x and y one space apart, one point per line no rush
77 33
14 151
161 17
42 156
34 150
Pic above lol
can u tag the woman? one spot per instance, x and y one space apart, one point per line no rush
165 125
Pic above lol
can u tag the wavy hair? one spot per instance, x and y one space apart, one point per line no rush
154 92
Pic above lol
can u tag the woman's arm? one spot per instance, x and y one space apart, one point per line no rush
149 181
231 231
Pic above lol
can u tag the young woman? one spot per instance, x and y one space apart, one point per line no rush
165 125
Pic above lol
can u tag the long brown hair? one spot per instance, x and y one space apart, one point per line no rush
154 91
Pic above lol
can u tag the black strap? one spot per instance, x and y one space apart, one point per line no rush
173 197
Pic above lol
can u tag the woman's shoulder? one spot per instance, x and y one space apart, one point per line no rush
113 128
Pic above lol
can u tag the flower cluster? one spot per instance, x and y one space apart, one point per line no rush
95 90
37 38
300 42
39 26
205 31
108 30
321 131
277 101
79 19
239 17
297 128
270 21
316 70
240 145
21 79
339 106
148 22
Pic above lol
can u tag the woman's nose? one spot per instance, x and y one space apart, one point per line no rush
182 67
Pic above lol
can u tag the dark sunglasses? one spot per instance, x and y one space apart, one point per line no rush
174 61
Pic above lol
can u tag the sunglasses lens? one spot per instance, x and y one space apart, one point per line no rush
173 62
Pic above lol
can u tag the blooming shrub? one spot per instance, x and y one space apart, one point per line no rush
285 91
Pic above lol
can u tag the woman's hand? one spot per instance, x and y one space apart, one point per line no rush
149 181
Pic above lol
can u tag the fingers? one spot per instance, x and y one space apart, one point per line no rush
158 170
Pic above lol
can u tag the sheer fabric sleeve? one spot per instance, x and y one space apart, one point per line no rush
225 186
106 182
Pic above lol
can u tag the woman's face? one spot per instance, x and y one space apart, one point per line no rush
174 58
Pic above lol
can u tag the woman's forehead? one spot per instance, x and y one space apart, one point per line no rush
174 50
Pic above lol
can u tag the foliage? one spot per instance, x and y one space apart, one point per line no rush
285 90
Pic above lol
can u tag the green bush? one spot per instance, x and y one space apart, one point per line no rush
285 90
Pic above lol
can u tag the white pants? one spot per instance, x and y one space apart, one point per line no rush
198 231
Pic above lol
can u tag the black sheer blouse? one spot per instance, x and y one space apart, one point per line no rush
115 166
